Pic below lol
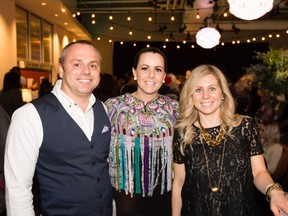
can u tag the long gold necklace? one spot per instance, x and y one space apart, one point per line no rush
214 188
207 137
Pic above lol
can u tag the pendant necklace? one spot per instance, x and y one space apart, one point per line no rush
214 189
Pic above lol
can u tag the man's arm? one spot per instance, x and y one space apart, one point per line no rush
23 141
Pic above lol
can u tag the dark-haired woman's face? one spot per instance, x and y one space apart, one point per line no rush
150 73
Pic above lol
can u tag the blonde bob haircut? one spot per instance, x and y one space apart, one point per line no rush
189 114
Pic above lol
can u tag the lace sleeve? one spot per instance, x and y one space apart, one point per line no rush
252 136
177 155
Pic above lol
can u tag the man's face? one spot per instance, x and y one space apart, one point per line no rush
80 71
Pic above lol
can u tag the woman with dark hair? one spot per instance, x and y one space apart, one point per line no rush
141 143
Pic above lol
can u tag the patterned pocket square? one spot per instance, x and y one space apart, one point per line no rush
105 129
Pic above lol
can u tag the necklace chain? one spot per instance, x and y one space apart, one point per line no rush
213 143
214 188
207 137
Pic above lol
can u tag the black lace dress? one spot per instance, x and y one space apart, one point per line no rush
235 195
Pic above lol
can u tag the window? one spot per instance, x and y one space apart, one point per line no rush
47 42
22 34
34 38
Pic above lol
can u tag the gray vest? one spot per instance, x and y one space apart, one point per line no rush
72 171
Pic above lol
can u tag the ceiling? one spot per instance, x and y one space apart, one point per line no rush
184 11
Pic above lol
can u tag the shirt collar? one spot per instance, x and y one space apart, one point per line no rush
66 100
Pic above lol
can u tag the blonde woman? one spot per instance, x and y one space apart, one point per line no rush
217 153
270 136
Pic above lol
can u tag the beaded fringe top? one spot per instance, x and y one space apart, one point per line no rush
141 144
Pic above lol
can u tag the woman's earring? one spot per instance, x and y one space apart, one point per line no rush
163 81
135 78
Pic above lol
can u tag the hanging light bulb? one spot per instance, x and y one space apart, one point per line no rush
208 37
150 18
129 17
250 9
197 15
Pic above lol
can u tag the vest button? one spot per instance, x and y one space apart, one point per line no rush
93 163
92 147
98 179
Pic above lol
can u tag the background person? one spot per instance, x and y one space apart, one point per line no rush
217 153
64 139
11 95
270 137
4 125
141 145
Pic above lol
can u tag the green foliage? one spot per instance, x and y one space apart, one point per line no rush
271 73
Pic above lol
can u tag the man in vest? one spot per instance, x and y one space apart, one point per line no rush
63 138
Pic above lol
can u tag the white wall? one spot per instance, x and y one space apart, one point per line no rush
8 48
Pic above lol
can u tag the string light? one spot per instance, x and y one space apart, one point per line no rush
260 37
150 18
197 15
129 17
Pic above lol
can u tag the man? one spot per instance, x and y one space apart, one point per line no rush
64 138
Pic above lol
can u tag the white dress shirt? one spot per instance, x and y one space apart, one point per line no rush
24 139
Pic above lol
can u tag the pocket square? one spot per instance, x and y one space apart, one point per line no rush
105 129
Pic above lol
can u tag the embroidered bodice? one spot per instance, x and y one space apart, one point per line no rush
141 144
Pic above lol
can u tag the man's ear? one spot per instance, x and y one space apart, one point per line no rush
60 70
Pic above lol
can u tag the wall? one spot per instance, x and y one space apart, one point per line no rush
8 53
106 50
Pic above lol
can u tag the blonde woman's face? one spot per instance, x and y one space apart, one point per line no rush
207 96
262 131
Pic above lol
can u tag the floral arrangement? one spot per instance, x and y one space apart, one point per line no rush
271 73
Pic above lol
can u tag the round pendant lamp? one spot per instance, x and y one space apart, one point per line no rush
250 9
208 37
